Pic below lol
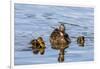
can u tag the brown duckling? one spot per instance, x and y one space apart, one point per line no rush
81 41
38 45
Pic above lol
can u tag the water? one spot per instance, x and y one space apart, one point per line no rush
32 21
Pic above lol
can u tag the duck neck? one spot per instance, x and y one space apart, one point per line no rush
62 34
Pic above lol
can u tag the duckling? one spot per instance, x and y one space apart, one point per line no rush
41 42
38 45
35 51
81 41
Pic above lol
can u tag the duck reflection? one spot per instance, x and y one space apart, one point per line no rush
38 45
60 40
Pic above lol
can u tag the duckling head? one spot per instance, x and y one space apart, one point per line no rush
40 39
34 43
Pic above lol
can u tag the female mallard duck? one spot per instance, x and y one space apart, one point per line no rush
81 41
38 45
60 40
59 37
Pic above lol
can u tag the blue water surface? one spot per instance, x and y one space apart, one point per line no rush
32 21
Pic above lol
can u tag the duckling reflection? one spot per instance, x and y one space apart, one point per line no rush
60 40
81 41
38 46
35 51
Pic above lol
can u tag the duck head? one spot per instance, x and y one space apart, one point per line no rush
62 27
34 43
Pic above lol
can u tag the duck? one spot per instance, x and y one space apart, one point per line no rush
59 37
81 41
60 40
